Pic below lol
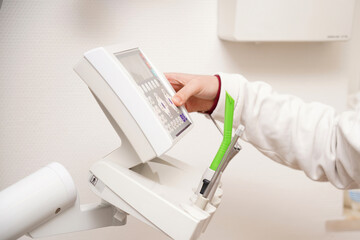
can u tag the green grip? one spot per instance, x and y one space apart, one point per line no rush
228 125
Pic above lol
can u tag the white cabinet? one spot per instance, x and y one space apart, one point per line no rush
285 20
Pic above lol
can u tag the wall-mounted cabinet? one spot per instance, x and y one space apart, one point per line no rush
285 20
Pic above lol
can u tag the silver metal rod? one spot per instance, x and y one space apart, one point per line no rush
229 154
234 147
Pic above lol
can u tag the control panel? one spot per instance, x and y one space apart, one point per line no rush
154 90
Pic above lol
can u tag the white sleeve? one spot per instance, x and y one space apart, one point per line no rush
306 136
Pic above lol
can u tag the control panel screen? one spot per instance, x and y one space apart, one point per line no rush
172 117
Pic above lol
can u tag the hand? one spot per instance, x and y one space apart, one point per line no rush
196 92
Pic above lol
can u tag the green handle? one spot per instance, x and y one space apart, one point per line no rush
228 125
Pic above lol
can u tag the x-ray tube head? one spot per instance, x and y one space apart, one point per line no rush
34 200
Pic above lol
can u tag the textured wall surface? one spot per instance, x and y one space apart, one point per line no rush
47 113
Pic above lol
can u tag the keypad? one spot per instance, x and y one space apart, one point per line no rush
150 85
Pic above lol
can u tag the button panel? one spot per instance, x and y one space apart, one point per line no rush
151 86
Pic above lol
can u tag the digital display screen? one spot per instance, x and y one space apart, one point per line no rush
137 68
152 88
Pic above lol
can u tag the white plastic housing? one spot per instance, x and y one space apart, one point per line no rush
133 178
158 192
118 94
34 200
285 20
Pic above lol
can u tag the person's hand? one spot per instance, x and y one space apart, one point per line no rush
196 92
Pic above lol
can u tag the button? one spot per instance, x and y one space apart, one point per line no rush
150 100
152 70
148 86
163 120
154 84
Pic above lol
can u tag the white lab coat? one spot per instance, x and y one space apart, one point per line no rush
306 136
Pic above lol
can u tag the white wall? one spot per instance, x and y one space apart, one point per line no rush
48 114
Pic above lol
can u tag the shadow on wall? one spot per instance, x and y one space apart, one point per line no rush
286 59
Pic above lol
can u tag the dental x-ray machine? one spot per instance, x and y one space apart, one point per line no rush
135 179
